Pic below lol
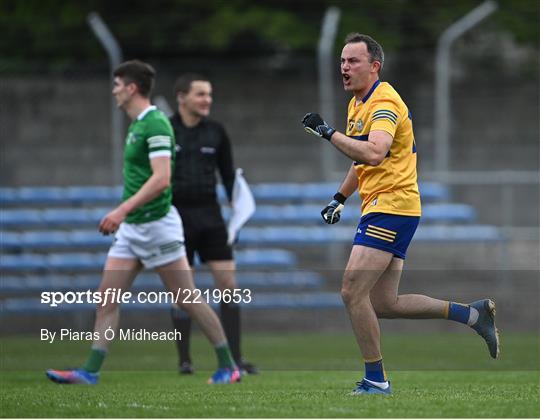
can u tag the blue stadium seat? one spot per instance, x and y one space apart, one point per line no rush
433 191
279 279
265 257
28 284
323 191
44 239
470 233
60 195
310 300
311 213
75 262
315 191
22 262
89 239
41 195
295 235
21 218
277 191
66 217
448 212
100 194
97 214
94 261
264 214
294 192
10 241
57 217
8 196
328 234
24 285
17 242
264 192
23 306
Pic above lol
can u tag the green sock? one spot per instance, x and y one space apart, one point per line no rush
95 360
224 356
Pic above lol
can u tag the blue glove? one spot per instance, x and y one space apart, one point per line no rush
332 212
314 124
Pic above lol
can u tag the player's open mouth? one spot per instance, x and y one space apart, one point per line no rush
346 78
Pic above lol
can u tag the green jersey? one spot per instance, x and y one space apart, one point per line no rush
149 136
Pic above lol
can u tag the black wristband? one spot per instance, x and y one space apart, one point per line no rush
340 198
329 133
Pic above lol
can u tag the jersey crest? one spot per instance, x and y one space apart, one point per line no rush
131 138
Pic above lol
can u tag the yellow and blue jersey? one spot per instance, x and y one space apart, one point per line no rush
390 187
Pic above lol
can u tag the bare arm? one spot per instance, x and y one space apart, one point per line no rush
154 186
349 184
331 213
371 152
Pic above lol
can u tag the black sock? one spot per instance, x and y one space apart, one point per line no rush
182 322
230 318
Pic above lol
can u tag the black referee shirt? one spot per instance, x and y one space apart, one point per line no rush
200 150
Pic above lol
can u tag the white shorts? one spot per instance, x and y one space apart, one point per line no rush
154 243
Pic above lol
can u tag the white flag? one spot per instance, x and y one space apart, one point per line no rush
243 205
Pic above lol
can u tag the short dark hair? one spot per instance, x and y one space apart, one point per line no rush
184 81
374 48
138 72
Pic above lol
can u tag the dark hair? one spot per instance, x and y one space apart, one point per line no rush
374 48
183 83
138 72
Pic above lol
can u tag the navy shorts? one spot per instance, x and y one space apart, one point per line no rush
387 232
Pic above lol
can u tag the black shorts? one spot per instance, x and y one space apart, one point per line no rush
205 233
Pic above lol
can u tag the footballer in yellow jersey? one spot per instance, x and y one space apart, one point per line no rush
379 140
387 182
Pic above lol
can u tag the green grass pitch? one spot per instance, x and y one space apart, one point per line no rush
433 375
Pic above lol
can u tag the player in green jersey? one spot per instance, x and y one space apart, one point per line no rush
148 230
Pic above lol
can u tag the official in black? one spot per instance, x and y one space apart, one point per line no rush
202 149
